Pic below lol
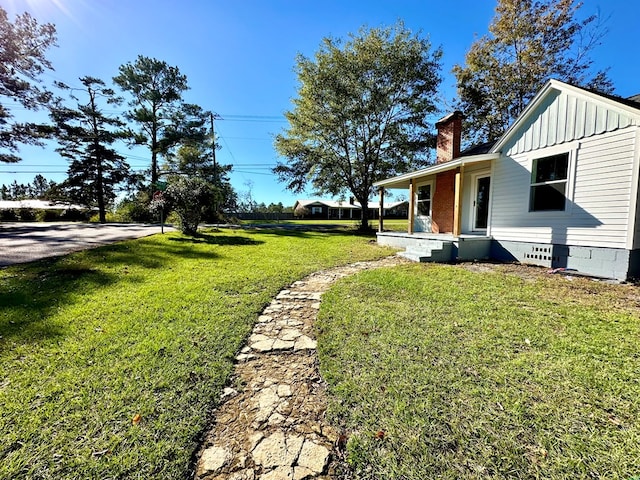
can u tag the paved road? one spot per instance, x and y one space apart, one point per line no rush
25 242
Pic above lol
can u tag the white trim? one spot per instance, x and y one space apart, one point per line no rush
633 200
424 219
474 195
402 181
571 149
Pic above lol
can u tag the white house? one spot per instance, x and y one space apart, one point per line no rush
341 210
558 189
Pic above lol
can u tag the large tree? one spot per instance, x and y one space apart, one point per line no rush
361 113
23 45
86 135
529 43
156 89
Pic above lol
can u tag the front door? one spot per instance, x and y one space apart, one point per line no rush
424 197
481 203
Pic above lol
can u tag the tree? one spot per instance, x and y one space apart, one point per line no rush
23 45
157 90
361 113
187 196
529 43
86 135
192 160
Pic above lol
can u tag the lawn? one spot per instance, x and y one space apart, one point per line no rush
111 360
436 371
393 224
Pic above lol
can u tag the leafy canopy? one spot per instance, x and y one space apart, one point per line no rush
361 113
86 135
23 45
529 43
156 89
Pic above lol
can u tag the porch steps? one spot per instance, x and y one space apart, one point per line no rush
429 250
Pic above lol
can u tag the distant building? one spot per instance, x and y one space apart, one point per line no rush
347 210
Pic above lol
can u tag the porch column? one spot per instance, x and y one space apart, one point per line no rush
412 190
457 203
380 213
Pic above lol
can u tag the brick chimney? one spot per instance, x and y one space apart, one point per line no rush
449 135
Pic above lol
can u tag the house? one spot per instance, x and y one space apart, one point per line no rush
341 210
559 189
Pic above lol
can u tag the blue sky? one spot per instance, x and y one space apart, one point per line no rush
239 58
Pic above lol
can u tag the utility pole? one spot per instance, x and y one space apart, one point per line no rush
215 165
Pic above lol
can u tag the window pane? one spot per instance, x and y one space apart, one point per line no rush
551 168
424 208
424 192
548 197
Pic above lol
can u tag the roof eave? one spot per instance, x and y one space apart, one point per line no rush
402 181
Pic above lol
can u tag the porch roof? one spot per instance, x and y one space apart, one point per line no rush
402 181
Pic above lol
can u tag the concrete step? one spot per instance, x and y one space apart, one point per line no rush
414 257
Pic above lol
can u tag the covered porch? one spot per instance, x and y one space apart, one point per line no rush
449 210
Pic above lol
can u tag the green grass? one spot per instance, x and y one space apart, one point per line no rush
439 372
147 327
389 224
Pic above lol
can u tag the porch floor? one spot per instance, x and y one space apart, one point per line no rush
438 247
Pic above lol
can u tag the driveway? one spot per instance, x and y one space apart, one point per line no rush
25 242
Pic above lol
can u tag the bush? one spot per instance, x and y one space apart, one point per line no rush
8 216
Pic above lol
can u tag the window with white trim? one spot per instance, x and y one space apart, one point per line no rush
424 200
316 210
549 181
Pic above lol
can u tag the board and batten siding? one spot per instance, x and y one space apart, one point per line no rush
561 118
600 188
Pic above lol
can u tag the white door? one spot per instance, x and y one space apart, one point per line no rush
481 203
423 208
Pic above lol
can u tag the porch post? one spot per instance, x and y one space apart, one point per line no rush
412 189
456 205
380 213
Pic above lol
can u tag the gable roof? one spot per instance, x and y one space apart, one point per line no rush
611 112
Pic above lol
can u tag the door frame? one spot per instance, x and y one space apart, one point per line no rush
474 196
421 221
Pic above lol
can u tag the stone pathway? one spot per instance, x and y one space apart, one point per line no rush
270 424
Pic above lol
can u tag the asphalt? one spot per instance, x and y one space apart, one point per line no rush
26 242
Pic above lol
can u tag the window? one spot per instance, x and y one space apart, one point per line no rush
316 210
549 183
424 200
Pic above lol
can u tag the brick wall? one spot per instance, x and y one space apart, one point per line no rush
449 137
444 201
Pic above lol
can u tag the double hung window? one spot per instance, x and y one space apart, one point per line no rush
549 182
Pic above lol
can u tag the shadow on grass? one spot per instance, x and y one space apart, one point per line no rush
30 293
226 240
28 298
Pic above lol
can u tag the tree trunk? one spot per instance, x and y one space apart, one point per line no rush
364 224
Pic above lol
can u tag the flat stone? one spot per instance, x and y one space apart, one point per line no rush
305 343
313 456
214 459
277 450
316 305
265 318
243 357
275 419
290 334
264 346
280 473
282 345
284 391
302 473
258 337
254 439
